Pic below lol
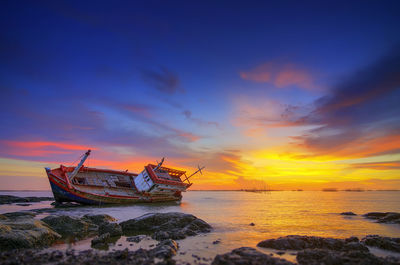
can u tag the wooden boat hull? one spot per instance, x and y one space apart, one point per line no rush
64 191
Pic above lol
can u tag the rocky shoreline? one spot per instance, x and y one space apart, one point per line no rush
24 239
7 199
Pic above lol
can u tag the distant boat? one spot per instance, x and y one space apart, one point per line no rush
263 190
96 186
355 190
330 189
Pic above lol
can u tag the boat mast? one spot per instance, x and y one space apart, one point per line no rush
159 165
73 174
199 170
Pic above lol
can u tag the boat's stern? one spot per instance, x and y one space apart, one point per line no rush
58 185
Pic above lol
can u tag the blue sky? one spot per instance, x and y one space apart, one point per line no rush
201 82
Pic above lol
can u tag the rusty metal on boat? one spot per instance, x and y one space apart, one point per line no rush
87 185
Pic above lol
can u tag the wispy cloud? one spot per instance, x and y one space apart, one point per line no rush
38 148
360 114
163 80
198 121
280 75
386 165
254 116
359 117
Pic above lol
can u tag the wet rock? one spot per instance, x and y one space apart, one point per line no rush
101 241
165 249
252 224
13 215
295 242
7 199
329 257
387 217
113 229
21 230
66 204
352 239
246 255
161 235
387 243
118 257
137 238
68 226
99 219
216 242
348 213
375 215
166 225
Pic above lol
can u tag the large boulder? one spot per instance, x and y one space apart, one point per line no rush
166 225
161 254
388 243
331 257
246 255
113 229
295 242
21 230
99 219
384 217
69 226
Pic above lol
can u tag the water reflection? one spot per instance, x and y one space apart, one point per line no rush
274 214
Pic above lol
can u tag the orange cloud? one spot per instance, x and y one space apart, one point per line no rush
387 165
257 116
189 136
361 147
39 148
280 75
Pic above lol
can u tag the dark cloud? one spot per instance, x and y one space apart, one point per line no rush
163 80
365 107
188 114
198 121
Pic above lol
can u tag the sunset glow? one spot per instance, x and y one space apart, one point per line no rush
272 99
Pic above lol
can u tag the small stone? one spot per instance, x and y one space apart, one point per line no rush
348 213
136 239
23 204
246 255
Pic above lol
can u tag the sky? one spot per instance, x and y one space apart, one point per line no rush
264 94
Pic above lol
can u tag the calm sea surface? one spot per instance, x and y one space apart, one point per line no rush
277 213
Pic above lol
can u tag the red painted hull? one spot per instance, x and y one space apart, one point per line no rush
64 191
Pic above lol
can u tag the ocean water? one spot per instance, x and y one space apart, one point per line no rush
276 213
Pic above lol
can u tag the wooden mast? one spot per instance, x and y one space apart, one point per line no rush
73 174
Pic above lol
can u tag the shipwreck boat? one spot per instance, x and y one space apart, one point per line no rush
96 186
